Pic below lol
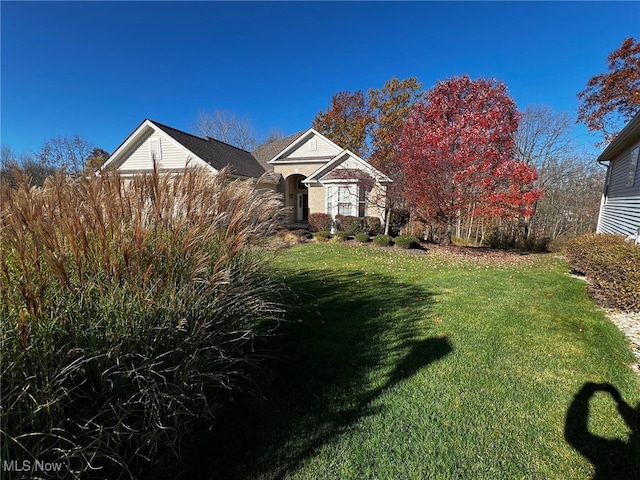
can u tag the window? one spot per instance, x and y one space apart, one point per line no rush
348 200
154 149
362 201
313 144
633 167
345 201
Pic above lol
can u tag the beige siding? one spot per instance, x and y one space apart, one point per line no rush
305 169
139 157
376 202
317 201
323 149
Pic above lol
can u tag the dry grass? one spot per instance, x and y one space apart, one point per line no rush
126 307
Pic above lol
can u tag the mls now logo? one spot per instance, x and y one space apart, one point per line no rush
29 466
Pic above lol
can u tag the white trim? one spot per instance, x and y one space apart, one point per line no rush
300 208
118 156
339 159
286 161
300 141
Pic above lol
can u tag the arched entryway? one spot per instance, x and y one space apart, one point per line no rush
297 194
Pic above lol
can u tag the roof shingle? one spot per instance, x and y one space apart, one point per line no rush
266 152
218 154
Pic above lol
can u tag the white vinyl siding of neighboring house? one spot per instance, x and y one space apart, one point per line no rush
620 208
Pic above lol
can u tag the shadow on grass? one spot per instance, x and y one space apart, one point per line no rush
350 337
613 459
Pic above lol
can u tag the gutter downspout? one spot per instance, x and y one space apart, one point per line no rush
603 199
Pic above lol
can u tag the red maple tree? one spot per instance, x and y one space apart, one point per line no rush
457 154
615 95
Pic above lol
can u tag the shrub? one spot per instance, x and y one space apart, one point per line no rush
372 226
583 251
340 236
515 239
293 237
126 313
497 238
407 241
322 236
362 237
383 240
320 222
612 266
399 218
349 224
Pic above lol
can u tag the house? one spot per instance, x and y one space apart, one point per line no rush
620 205
313 174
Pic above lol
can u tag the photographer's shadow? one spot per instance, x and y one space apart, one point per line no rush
612 458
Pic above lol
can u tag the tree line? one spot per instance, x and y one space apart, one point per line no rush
468 165
73 155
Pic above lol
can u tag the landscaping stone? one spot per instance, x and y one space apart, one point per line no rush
629 324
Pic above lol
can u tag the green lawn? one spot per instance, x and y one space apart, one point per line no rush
394 365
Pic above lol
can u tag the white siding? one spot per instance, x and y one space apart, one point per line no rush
139 157
620 210
322 149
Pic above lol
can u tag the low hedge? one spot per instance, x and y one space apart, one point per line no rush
383 240
350 224
362 237
612 266
372 225
407 241
340 236
322 235
319 222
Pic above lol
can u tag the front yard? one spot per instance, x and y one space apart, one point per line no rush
395 365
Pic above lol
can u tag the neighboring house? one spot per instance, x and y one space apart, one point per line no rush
313 174
620 206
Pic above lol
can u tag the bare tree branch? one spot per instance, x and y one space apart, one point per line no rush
226 127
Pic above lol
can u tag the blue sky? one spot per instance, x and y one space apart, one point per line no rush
99 69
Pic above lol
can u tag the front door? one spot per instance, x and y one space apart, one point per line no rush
303 207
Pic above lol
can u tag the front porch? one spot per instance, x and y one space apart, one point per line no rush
298 226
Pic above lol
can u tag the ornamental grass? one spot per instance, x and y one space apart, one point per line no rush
129 308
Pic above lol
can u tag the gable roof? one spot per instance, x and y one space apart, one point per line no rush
267 152
627 137
328 171
216 153
299 140
203 151
348 174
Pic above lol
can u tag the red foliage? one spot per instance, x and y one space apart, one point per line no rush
457 154
615 92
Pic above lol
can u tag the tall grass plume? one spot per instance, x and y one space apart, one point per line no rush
127 306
